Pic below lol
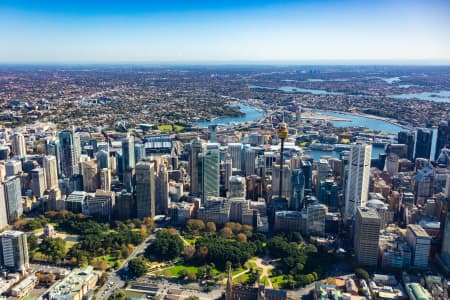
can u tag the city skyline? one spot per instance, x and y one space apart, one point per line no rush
204 32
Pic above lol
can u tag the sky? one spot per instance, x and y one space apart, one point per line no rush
216 31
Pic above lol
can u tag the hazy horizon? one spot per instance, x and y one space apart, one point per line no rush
409 32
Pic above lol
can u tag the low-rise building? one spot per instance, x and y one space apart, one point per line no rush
76 285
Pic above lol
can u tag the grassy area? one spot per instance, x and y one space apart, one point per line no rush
165 128
110 260
277 281
241 279
191 241
175 270
265 280
179 128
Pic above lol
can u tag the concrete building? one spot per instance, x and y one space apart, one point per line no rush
105 179
18 145
90 176
287 184
290 221
3 210
235 150
366 236
145 189
357 188
162 191
445 250
38 182
76 285
194 149
215 209
420 243
51 171
14 250
237 187
102 204
315 218
13 167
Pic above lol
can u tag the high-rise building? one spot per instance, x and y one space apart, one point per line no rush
423 143
287 185
249 161
407 138
14 250
13 167
105 179
420 243
212 133
128 162
145 189
103 160
315 218
367 236
13 197
52 148
228 172
237 187
90 176
209 171
3 211
357 188
235 150
442 138
51 171
194 149
101 204
329 193
298 189
70 150
125 206
445 251
18 145
38 182
162 191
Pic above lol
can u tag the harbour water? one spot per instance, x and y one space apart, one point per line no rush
251 114
442 96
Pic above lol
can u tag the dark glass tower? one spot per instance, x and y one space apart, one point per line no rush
423 143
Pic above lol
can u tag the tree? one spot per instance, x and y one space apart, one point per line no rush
32 242
167 245
195 225
226 233
189 252
53 247
361 273
242 238
211 227
137 267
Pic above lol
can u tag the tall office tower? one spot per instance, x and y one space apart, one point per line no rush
194 149
250 161
55 201
423 143
329 193
102 204
298 189
13 167
298 114
287 184
3 210
209 171
70 150
14 250
125 206
235 150
18 145
90 176
445 251
367 236
38 182
162 191
391 165
315 218
323 172
407 138
52 148
145 189
307 172
228 172
103 160
105 179
212 133
51 171
13 198
128 162
237 187
357 189
139 152
442 138
420 243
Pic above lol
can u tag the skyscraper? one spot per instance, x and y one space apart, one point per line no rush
105 179
445 251
423 143
209 171
3 211
14 250
194 149
237 187
235 150
18 145
249 161
298 189
442 138
38 182
162 191
128 162
145 189
357 188
51 171
70 150
90 176
13 198
420 243
212 133
407 138
103 159
367 236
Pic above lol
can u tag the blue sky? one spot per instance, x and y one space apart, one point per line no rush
377 31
